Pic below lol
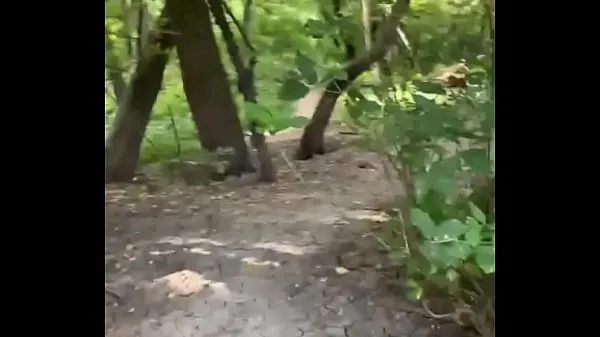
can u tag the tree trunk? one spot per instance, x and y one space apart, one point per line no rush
312 141
115 71
205 82
123 146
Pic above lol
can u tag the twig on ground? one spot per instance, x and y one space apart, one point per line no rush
455 315
381 242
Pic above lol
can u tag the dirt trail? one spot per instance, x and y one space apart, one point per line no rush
288 259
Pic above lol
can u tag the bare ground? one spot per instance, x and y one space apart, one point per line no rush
269 256
287 259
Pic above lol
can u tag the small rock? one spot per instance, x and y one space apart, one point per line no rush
341 270
184 283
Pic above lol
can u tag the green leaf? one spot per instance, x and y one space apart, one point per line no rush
392 131
354 111
280 45
255 111
424 104
458 250
298 122
423 222
392 109
476 76
369 106
444 186
444 169
354 94
441 176
277 124
477 213
429 87
306 67
473 236
414 290
340 74
316 27
450 229
485 258
477 160
292 90
448 254
431 125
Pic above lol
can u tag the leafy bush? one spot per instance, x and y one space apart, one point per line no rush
438 141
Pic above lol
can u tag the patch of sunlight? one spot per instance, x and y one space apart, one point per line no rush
283 248
179 241
256 262
163 252
197 250
367 215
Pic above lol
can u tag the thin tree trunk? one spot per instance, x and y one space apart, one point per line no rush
245 73
123 145
115 71
205 82
368 32
143 25
312 141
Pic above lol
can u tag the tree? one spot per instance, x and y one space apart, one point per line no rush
133 113
115 73
245 76
205 82
312 141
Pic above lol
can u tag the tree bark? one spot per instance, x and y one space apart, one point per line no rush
205 82
115 72
312 141
123 145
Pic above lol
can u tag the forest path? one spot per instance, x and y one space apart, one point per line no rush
293 258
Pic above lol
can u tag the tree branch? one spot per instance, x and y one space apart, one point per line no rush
386 39
245 75
246 27
382 44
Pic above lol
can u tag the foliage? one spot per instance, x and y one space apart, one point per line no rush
433 136
282 32
438 140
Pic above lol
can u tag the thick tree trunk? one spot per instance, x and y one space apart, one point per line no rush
123 145
205 82
312 141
